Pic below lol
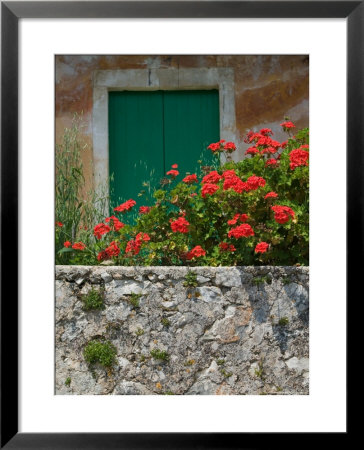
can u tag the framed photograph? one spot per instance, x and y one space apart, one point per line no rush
160 190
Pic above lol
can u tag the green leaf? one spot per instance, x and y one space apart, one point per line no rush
65 250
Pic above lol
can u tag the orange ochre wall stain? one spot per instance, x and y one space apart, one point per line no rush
267 88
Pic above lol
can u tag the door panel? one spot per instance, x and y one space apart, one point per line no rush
191 123
135 142
151 130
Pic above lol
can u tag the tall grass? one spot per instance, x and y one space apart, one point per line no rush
77 209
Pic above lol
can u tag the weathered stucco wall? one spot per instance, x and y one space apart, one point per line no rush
241 330
267 87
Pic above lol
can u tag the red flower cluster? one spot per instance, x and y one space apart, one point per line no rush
262 140
271 162
262 247
173 173
109 252
269 149
189 179
271 195
214 147
79 246
133 246
125 206
196 252
117 225
174 166
101 229
220 146
242 217
252 151
225 247
299 157
232 181
209 189
59 224
255 182
282 213
244 230
67 244
144 209
266 132
180 225
288 125
230 147
212 177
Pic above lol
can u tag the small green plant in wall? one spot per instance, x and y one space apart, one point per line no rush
263 279
68 382
283 321
259 372
225 373
190 279
103 353
134 299
93 300
159 354
165 322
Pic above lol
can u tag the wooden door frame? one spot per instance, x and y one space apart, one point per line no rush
155 79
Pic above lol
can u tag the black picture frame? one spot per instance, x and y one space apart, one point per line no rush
11 12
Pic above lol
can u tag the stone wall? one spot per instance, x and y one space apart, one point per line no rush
238 330
266 88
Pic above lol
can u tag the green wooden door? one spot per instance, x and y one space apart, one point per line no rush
151 130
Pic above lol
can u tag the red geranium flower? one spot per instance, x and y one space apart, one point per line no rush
189 179
115 222
235 183
212 177
269 150
266 132
134 245
298 157
112 249
252 151
125 206
142 237
230 147
173 173
255 182
244 230
144 209
59 224
79 246
271 162
224 246
287 125
102 256
242 217
209 189
282 214
196 252
262 247
180 225
174 166
229 173
271 195
67 244
101 229
214 147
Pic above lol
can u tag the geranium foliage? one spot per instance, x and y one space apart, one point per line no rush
251 212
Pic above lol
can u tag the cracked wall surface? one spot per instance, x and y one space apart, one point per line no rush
240 330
